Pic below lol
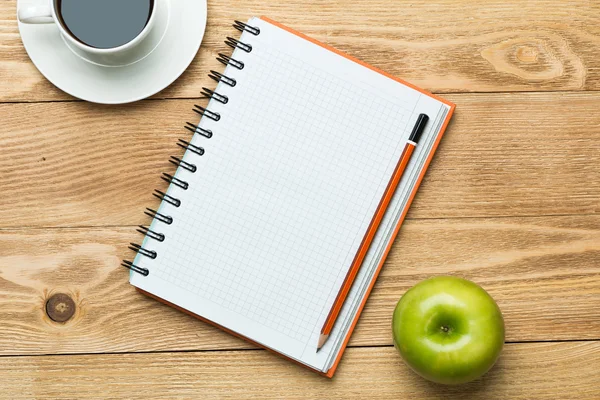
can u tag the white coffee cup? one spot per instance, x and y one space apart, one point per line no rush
46 13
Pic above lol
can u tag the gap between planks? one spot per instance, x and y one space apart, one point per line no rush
230 350
441 94
463 217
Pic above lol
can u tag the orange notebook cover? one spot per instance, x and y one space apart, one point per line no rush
277 53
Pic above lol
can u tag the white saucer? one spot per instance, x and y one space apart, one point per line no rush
170 48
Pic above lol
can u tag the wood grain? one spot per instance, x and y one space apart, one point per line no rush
503 155
524 371
445 46
511 201
543 272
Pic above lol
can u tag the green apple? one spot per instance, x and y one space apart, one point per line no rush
448 330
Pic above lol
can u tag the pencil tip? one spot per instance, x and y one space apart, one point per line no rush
322 340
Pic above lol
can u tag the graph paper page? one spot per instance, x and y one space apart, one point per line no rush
283 196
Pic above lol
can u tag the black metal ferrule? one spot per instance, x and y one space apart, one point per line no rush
418 128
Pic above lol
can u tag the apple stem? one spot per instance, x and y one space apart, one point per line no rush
445 328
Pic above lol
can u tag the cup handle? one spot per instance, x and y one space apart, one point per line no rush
35 14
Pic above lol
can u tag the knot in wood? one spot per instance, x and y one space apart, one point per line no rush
60 307
527 54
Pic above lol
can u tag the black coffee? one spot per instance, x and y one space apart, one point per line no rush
104 24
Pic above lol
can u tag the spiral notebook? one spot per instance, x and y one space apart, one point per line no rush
276 189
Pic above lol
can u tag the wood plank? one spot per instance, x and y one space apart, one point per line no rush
543 272
446 46
524 371
504 154
97 165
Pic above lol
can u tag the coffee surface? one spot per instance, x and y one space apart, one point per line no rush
104 24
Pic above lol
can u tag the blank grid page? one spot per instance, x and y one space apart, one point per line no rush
284 194
304 191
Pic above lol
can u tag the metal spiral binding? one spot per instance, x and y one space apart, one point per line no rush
175 181
161 217
234 43
240 26
150 233
207 133
203 111
186 145
131 266
209 94
219 77
169 199
183 164
148 253
226 60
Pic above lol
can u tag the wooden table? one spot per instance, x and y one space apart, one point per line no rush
511 201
